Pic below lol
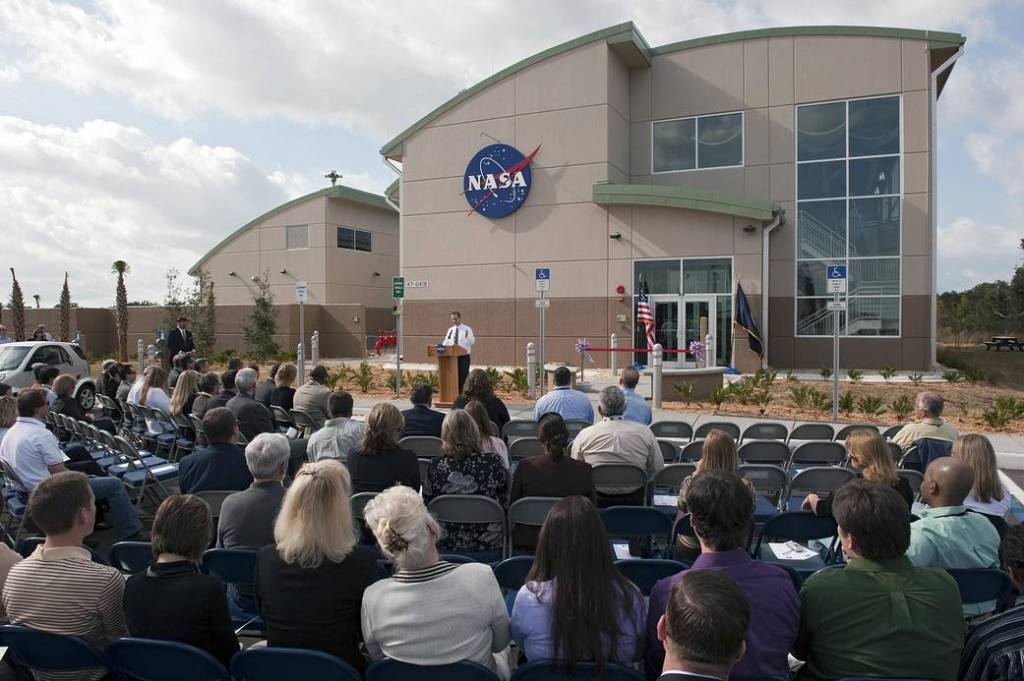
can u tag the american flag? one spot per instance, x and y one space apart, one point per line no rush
644 315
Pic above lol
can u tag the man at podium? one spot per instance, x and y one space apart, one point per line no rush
460 334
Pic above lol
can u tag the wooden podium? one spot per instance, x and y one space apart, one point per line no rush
447 372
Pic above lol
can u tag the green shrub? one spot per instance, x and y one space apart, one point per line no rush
519 379
846 403
337 379
820 402
826 372
685 390
887 373
764 399
916 379
364 377
871 405
392 375
800 396
952 376
495 376
974 375
1012 406
995 418
855 375
791 377
719 396
902 407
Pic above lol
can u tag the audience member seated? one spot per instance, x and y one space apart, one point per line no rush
266 387
201 365
59 589
552 475
718 453
33 454
879 615
311 397
234 364
928 407
637 408
186 390
340 435
171 600
564 400
247 517
614 440
703 628
253 418
478 387
310 584
720 515
103 380
154 396
989 496
283 394
8 558
8 414
421 419
994 648
948 535
209 386
430 612
227 390
127 375
220 465
67 403
182 362
45 375
576 605
490 440
464 469
871 457
379 462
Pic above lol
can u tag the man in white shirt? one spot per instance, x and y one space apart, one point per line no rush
340 437
460 334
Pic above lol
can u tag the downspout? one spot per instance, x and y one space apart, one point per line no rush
777 220
399 339
933 103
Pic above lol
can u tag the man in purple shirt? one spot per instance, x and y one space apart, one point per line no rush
721 513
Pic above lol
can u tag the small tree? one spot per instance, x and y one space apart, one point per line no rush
120 267
17 309
64 317
174 299
262 325
36 297
202 305
958 317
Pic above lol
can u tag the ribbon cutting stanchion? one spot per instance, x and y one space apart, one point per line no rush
613 360
583 347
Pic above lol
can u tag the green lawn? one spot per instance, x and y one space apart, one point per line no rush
1002 367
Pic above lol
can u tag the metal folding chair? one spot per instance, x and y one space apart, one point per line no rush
645 573
423 446
770 452
821 480
730 429
812 431
393 670
672 430
524 447
146 659
472 509
765 431
845 431
304 423
518 428
46 652
275 664
817 454
669 451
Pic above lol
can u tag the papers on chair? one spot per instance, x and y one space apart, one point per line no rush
791 550
621 551
665 499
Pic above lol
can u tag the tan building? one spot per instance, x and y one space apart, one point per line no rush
753 159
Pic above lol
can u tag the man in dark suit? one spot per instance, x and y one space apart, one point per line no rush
219 465
179 340
253 417
704 627
227 391
421 419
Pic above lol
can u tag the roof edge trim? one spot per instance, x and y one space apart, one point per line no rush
610 194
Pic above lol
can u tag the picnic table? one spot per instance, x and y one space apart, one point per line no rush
1000 342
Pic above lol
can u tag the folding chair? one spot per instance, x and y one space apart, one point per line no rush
359 502
911 461
236 567
185 436
646 573
152 660
46 652
523 448
15 504
669 451
282 418
895 450
628 522
393 670
621 475
214 498
982 588
545 670
165 440
816 454
131 557
765 431
692 451
424 480
511 575
730 429
812 431
929 449
197 428
280 664
821 480
770 484
143 477
770 452
529 512
304 423
669 479
915 478
518 428
891 431
672 430
423 446
472 509
574 426
845 431
800 527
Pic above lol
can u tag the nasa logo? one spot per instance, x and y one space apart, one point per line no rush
498 180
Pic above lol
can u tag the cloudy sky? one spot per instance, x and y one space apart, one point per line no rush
147 130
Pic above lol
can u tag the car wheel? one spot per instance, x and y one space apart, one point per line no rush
86 397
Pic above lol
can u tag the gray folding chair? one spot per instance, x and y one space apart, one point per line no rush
574 426
769 452
529 511
668 480
891 431
770 484
423 446
765 431
303 422
197 427
669 451
359 502
812 431
524 448
473 509
896 450
692 451
915 478
845 431
818 454
518 428
621 475
730 429
282 418
215 499
672 430
820 480
424 480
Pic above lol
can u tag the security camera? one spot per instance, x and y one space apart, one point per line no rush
254 278
232 274
284 270
749 229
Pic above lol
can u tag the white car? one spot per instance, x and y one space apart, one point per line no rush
18 359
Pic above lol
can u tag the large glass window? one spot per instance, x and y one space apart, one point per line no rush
296 236
355 239
848 212
696 143
712 275
662 276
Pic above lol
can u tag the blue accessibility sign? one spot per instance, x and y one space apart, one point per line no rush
835 272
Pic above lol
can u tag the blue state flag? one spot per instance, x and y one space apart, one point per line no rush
745 320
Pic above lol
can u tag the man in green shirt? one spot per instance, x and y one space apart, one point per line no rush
879 615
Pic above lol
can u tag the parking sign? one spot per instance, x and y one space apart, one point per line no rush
542 276
835 276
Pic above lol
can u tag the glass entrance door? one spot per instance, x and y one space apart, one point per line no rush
666 325
696 308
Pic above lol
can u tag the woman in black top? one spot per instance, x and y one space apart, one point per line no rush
870 455
380 462
172 600
552 475
284 392
478 387
310 584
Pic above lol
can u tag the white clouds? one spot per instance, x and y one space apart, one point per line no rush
77 199
971 252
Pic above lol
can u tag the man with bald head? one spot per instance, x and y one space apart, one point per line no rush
948 535
928 406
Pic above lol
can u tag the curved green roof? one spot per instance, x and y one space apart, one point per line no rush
337 192
611 194
626 39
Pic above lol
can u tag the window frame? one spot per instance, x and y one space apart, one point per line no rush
696 141
295 248
847 199
355 231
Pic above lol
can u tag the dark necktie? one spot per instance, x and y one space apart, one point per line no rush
456 335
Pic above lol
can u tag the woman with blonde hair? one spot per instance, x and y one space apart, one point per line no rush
988 497
464 469
152 395
871 457
185 392
489 440
284 386
430 612
310 583
379 462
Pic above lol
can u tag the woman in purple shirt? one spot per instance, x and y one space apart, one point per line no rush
576 606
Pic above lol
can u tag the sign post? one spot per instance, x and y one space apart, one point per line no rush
301 292
398 293
542 277
835 275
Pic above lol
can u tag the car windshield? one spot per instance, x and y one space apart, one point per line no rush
11 356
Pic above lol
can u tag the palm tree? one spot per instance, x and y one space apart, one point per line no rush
120 268
64 321
17 309
36 297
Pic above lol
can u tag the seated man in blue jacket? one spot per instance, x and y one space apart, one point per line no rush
421 419
219 465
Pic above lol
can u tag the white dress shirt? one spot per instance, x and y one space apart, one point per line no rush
30 449
460 334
